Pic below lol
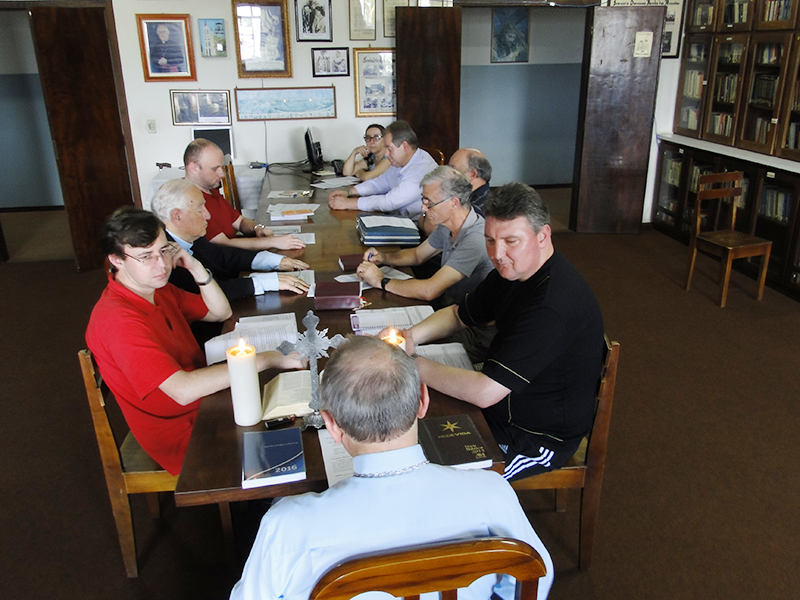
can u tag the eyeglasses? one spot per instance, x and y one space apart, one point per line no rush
426 202
372 138
167 252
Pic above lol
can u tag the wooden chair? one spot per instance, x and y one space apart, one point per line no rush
128 469
585 469
444 566
436 154
229 187
725 242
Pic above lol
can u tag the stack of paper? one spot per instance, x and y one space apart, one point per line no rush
382 230
336 182
373 321
264 333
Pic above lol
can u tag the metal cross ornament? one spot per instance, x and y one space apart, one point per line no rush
313 345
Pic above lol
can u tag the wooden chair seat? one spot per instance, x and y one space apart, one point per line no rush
436 155
129 469
586 467
439 567
229 187
724 242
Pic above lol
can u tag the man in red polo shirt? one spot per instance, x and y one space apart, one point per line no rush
139 335
203 161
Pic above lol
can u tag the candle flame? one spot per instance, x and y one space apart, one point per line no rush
241 347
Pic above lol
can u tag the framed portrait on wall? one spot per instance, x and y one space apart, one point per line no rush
314 20
330 62
510 30
200 107
389 19
376 87
262 38
165 42
673 19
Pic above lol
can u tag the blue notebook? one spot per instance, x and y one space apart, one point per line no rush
272 457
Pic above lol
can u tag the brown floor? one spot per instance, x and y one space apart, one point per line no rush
37 235
701 478
558 200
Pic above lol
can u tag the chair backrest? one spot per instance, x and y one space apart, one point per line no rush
598 438
436 155
440 567
229 187
109 452
719 187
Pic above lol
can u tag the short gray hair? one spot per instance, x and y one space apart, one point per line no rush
454 184
481 165
173 194
514 200
371 389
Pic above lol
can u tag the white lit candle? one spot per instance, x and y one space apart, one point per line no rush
395 339
244 384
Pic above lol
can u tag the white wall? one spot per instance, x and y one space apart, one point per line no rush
263 141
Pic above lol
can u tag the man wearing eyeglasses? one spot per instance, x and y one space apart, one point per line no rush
139 335
181 206
398 190
458 237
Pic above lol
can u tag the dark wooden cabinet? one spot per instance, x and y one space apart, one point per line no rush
727 80
692 86
775 14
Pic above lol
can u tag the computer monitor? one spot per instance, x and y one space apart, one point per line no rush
221 136
314 152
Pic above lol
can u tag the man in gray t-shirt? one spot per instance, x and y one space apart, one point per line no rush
458 237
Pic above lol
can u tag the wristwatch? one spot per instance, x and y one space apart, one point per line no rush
207 281
384 283
258 226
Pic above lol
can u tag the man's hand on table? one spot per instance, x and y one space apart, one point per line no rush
340 200
292 264
290 283
370 273
286 242
276 360
373 256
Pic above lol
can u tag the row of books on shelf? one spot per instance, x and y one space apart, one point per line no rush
769 54
703 14
775 204
725 85
696 172
778 10
764 89
720 124
792 137
665 218
693 84
761 130
736 12
669 204
730 54
672 171
689 117
276 456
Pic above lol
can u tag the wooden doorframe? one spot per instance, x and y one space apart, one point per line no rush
130 172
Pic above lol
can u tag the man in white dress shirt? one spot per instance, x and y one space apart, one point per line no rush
373 398
398 190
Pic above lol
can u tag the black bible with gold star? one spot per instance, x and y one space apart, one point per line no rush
453 441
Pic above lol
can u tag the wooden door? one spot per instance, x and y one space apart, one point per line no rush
616 121
429 74
73 50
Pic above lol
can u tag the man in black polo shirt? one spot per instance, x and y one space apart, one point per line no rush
539 380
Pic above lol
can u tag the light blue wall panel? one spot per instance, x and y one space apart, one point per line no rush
524 118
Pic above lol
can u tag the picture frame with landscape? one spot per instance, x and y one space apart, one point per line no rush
275 104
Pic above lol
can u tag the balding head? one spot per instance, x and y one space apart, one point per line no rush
472 163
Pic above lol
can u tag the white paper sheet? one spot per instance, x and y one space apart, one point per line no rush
338 463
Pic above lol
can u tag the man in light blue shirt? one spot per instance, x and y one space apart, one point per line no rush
372 399
398 190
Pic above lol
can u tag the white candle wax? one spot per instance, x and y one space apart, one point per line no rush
395 339
244 384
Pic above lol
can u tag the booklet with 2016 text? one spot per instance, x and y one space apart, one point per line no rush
272 457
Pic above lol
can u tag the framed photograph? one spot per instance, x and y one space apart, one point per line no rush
330 62
200 107
314 20
262 38
362 20
376 88
389 19
510 32
274 104
212 38
673 19
166 45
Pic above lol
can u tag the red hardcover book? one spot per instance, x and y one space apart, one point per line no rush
350 262
332 295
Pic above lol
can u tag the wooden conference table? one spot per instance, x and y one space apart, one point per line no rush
212 469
